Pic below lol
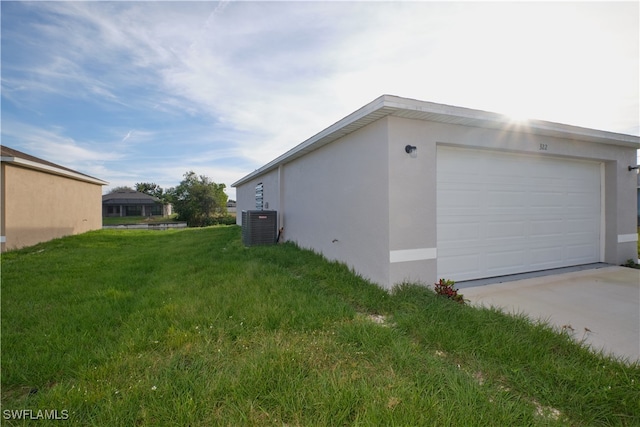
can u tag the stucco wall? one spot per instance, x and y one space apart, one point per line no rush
246 199
366 202
412 202
638 198
409 178
335 200
40 206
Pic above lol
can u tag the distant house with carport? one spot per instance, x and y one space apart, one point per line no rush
41 200
133 203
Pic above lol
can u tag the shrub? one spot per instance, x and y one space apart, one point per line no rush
219 220
197 199
445 288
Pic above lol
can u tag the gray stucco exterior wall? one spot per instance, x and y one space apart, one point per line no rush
413 185
335 201
362 200
412 206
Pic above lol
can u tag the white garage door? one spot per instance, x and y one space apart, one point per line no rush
502 213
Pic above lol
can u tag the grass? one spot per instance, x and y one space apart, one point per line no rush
228 219
188 327
125 220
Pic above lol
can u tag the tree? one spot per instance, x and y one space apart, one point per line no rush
121 189
150 188
198 200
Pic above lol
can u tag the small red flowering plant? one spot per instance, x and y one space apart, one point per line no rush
445 288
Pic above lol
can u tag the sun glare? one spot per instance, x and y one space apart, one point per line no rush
518 114
517 120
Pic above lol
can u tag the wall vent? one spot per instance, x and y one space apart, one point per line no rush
259 227
259 196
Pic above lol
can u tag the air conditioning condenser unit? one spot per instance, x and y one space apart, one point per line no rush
259 227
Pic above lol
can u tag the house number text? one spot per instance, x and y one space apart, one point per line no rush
543 147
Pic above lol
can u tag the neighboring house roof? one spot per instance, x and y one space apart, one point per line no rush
18 158
389 105
129 198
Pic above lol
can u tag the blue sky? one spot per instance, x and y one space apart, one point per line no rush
146 91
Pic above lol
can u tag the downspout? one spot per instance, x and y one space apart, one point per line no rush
280 202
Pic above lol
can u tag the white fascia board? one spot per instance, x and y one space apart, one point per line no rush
582 134
430 111
489 119
323 137
435 108
52 170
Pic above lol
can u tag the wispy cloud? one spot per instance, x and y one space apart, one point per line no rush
127 136
53 145
235 84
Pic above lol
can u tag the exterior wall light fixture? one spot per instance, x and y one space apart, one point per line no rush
630 167
411 150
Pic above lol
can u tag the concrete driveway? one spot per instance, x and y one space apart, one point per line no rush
601 306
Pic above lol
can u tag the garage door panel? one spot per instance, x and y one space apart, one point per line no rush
581 254
505 229
543 258
549 199
535 182
464 265
548 210
491 181
464 199
547 227
514 256
505 198
514 213
502 242
576 205
582 226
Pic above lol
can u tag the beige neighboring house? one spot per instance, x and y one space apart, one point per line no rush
40 200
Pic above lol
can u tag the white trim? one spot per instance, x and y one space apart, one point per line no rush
3 239
626 238
603 219
280 198
405 255
53 170
386 105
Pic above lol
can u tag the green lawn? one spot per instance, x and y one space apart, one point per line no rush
228 219
123 220
188 327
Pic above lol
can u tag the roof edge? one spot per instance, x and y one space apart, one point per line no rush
297 151
139 195
528 125
386 105
51 169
